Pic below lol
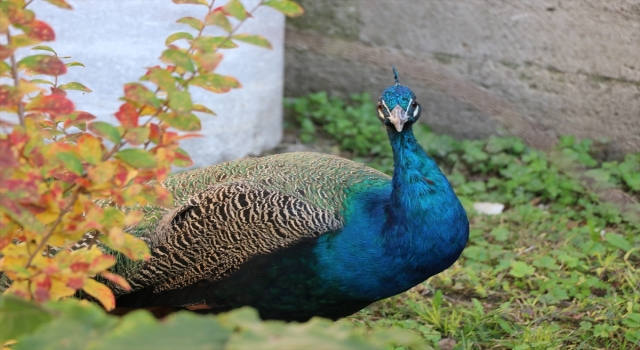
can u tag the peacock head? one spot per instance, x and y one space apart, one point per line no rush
398 106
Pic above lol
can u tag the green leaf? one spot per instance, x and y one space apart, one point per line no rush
180 102
140 330
617 241
289 8
209 44
41 81
19 317
520 269
235 9
218 18
137 136
106 130
193 2
140 95
76 326
75 64
4 67
177 36
192 22
215 83
257 40
187 122
182 158
161 77
60 3
500 233
71 162
203 109
179 58
74 86
43 48
137 158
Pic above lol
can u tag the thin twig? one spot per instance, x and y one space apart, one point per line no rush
16 80
53 227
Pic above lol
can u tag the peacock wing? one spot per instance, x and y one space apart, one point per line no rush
214 232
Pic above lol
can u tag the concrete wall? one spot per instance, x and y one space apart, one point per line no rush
116 40
538 69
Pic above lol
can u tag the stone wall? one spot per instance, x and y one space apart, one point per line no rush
117 40
537 69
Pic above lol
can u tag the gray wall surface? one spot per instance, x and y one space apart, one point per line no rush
117 40
538 69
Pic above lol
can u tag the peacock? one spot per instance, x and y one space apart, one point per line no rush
298 235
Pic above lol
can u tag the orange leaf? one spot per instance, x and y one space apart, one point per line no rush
117 279
101 292
128 115
51 104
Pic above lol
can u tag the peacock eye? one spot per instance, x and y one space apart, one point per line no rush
414 104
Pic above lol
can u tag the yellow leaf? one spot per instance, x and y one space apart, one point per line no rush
59 289
19 288
133 217
28 87
103 172
101 292
50 215
116 236
132 247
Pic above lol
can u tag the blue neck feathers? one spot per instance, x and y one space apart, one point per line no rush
410 230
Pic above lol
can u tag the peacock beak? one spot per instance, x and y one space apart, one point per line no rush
398 117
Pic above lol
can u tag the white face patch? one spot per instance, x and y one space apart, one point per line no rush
385 106
415 111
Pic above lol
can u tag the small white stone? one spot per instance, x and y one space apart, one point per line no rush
488 208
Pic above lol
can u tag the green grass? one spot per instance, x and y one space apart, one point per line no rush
558 269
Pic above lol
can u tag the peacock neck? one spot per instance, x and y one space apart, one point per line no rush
419 189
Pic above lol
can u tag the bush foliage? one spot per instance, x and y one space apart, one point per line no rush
64 174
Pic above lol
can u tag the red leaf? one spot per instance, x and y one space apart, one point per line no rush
42 288
44 64
40 30
128 115
51 104
7 159
154 135
56 91
78 118
79 267
9 97
75 282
